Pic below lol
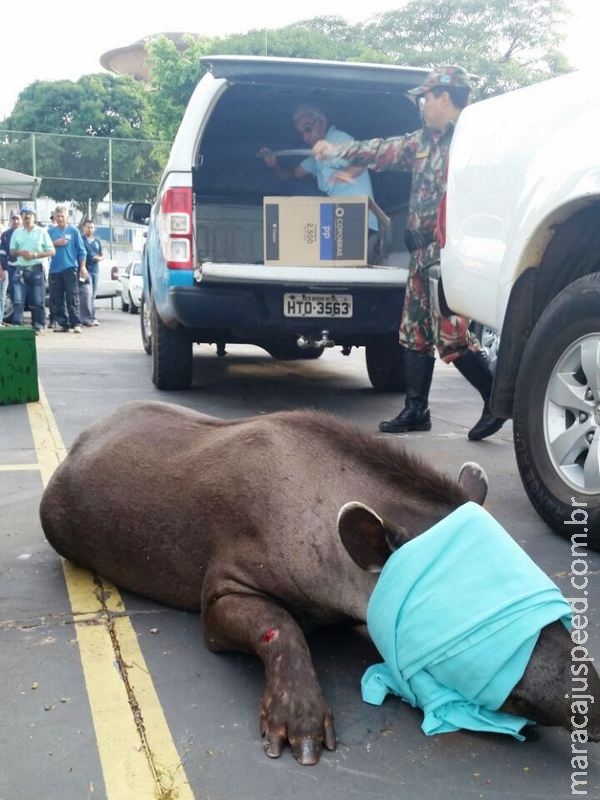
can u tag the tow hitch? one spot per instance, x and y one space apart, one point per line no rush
304 342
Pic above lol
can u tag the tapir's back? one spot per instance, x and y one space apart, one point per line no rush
155 496
162 500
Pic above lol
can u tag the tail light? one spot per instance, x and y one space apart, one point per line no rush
114 272
176 227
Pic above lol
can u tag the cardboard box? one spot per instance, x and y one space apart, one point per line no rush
316 231
18 366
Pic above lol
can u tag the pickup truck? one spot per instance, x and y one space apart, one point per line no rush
522 257
205 280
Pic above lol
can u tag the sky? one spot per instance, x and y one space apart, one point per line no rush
117 23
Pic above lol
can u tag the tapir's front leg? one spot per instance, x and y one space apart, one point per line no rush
293 707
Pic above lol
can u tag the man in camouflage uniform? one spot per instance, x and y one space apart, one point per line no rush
424 153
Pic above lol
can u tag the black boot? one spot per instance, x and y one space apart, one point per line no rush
475 367
415 415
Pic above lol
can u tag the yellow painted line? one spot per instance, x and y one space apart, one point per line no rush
137 753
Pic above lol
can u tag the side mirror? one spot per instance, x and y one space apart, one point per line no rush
137 212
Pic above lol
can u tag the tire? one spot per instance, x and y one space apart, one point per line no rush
133 309
557 412
172 358
8 310
490 341
124 305
385 365
146 326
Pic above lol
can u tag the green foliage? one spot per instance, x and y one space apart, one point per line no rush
81 120
173 77
508 43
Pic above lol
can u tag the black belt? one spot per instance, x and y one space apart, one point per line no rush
417 241
33 266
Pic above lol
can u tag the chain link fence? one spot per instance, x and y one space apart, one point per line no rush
93 176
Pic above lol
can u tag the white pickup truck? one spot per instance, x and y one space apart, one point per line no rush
522 257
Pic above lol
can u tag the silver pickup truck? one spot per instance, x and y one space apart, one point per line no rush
205 279
522 257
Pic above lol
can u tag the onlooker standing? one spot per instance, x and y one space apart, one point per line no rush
66 266
7 264
93 247
29 244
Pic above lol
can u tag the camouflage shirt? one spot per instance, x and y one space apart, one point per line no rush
424 153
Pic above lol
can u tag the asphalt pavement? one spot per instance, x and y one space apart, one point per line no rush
107 695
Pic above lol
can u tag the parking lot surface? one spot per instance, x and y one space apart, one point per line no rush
107 695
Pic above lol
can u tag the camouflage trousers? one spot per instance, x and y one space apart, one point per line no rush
421 328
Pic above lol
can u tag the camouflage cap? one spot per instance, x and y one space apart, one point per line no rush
445 76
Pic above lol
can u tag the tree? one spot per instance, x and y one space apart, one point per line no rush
508 43
174 73
86 122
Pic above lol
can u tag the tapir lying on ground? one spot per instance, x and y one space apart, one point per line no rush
247 521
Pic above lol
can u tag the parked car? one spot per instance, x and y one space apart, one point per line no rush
108 278
131 287
205 279
522 256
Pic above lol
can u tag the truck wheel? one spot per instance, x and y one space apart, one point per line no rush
124 305
8 310
133 309
385 365
557 412
172 358
146 326
489 340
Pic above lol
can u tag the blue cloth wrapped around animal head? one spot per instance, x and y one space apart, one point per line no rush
455 615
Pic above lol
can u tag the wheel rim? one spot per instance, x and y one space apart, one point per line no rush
572 415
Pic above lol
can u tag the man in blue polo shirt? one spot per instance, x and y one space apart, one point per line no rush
66 266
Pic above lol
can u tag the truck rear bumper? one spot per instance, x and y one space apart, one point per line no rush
251 313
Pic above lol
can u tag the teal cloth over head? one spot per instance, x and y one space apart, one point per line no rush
455 615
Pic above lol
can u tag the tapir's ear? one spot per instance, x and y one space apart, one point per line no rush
474 481
367 537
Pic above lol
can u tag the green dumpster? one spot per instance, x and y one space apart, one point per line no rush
18 365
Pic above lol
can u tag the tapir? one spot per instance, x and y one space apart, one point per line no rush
269 526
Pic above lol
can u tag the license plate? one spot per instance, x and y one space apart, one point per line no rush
317 305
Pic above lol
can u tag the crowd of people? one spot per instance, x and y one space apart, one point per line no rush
73 256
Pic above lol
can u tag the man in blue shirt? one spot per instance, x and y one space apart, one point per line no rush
336 177
66 266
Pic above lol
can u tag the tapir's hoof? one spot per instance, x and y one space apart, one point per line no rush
273 744
306 752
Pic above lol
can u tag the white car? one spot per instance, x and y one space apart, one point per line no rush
522 258
132 286
108 278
